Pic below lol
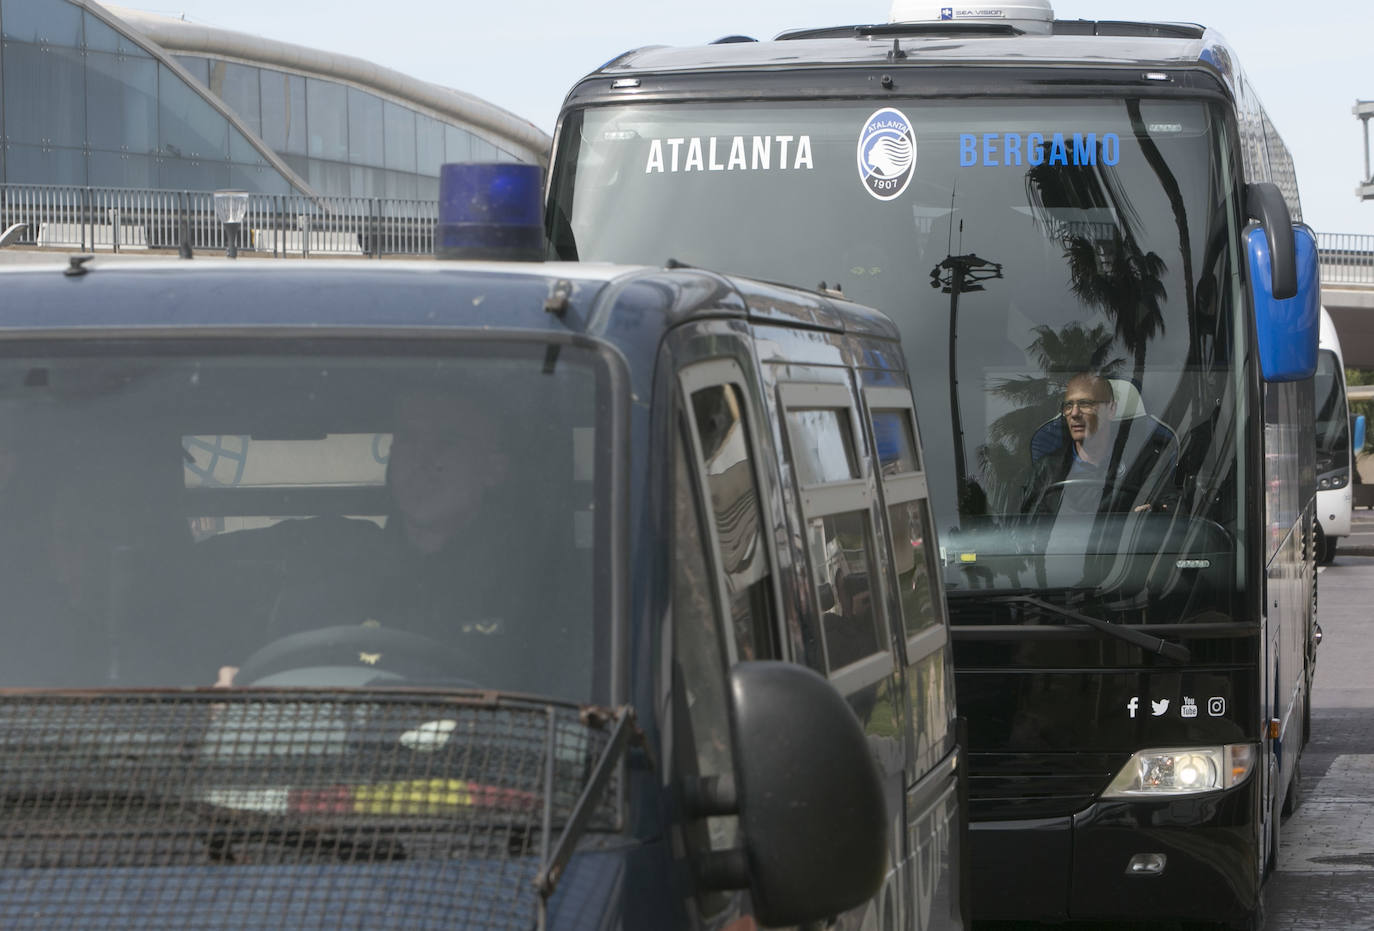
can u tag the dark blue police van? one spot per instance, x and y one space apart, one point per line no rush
464 595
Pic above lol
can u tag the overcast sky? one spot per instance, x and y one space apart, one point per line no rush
524 55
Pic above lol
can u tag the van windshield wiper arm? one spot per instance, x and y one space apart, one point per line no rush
624 733
1148 642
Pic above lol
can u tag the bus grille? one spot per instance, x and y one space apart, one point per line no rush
1008 787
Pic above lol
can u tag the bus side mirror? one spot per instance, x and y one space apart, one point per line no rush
1359 434
809 796
1264 202
1287 326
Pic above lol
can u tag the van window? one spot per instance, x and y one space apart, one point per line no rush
703 730
930 682
721 434
904 490
896 442
825 448
910 524
851 645
715 515
850 626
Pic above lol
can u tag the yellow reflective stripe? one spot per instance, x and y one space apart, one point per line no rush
411 797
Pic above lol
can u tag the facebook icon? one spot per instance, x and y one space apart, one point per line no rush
1133 704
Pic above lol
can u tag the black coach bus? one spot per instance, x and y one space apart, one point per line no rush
1090 236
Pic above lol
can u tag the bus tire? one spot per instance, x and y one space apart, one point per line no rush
1293 797
1326 548
1306 715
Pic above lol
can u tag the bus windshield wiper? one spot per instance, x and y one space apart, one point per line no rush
1148 642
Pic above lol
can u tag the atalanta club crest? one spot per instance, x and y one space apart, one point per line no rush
887 153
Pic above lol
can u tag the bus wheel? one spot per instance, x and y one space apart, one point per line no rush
1307 715
1293 797
1326 548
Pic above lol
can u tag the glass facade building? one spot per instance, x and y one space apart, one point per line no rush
87 105
89 101
342 139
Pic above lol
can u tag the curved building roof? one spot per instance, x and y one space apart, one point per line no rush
184 38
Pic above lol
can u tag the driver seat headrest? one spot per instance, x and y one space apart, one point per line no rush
1128 403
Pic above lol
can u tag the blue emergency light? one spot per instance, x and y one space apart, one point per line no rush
490 211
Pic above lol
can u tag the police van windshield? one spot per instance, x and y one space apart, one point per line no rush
1063 274
178 516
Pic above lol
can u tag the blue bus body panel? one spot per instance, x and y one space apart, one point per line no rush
1287 329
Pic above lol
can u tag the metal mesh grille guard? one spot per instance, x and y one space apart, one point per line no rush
291 809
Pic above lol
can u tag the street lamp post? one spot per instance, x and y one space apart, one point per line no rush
1364 109
230 209
955 275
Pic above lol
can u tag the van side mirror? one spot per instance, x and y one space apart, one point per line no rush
808 795
1357 443
1287 312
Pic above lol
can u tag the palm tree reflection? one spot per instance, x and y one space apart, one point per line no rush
1086 209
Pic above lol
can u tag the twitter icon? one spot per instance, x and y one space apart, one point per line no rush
1159 707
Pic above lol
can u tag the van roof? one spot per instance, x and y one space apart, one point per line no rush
174 297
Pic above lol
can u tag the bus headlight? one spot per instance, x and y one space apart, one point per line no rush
1182 771
1337 478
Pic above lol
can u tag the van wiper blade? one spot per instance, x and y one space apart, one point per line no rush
1148 642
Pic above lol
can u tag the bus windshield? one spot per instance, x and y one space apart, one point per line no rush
1064 276
1333 419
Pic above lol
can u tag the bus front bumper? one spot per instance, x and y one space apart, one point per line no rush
1079 867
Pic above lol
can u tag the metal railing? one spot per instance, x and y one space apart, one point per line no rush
1346 258
129 219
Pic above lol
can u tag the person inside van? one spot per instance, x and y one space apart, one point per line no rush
1092 458
437 566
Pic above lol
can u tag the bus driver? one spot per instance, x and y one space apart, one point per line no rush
1100 463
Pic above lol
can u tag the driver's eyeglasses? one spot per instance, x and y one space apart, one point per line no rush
1086 407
